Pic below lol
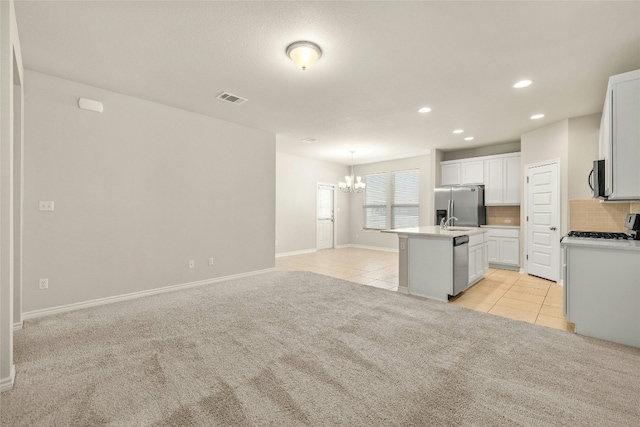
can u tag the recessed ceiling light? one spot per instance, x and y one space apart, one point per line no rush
469 138
458 131
537 116
522 83
424 110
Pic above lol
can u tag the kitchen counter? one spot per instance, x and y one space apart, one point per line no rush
436 231
622 245
516 227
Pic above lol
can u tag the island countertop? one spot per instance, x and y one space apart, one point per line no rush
436 231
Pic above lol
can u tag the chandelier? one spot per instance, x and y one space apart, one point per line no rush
351 184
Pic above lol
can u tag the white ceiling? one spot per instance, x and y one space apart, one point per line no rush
381 62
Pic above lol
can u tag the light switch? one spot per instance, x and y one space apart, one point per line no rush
46 205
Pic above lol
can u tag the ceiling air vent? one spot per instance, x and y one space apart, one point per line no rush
234 99
309 140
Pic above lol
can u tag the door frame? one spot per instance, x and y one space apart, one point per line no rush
525 212
335 217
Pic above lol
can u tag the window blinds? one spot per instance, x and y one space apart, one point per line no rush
405 206
375 202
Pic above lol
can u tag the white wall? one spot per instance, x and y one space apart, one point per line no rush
358 236
584 137
139 190
296 183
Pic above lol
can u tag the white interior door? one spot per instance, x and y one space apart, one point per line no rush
543 221
325 223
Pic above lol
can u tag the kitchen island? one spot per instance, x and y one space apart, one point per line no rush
428 259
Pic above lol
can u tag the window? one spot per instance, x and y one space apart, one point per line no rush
405 207
375 202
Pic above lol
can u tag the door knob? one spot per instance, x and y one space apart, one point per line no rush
552 228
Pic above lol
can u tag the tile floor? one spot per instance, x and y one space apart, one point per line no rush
501 292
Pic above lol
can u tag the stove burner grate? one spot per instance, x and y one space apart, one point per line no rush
598 235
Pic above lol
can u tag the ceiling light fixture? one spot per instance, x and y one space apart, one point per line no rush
522 83
352 185
458 131
424 110
537 116
469 138
303 53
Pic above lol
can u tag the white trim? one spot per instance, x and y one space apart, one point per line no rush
343 246
302 252
6 384
17 326
124 297
375 248
522 271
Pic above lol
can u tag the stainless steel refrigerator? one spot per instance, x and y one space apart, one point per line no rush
465 202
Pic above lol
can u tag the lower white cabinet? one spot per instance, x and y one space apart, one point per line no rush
478 262
503 246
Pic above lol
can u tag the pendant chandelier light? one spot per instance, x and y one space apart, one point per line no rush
351 184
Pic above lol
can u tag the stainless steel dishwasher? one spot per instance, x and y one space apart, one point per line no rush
460 264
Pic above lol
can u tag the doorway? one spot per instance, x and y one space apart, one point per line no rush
325 216
542 220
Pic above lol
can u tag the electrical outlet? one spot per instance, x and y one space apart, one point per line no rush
43 283
192 263
46 205
507 221
210 261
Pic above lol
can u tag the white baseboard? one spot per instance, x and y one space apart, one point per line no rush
6 384
305 251
522 271
108 300
17 326
374 248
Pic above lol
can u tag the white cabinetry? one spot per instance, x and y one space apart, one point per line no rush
603 302
472 172
503 246
499 174
450 173
620 137
502 180
478 263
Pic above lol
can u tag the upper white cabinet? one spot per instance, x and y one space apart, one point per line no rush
450 173
499 174
502 180
620 137
472 172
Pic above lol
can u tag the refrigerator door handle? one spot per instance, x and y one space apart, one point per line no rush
448 209
452 213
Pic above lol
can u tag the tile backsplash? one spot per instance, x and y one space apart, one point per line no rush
503 215
592 215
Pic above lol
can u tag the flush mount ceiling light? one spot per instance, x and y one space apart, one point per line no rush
522 83
458 131
424 110
469 138
351 185
536 116
303 53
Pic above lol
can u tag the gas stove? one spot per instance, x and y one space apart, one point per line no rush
599 235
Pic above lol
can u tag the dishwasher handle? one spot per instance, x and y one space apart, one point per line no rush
460 240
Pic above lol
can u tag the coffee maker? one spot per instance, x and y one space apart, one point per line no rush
633 224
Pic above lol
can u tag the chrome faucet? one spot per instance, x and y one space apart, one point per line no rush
445 223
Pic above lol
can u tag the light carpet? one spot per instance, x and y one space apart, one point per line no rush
295 348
